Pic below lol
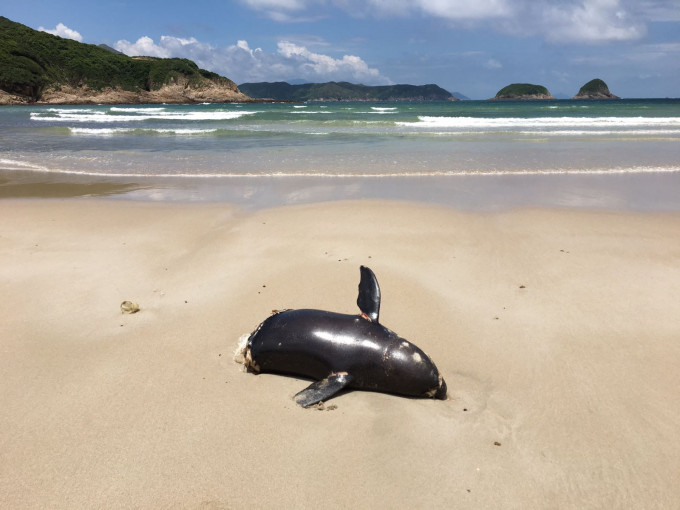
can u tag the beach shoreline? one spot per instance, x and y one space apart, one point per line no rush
625 191
555 329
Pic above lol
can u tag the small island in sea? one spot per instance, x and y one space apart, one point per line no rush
37 67
595 89
523 91
345 91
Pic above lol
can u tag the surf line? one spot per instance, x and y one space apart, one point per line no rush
7 164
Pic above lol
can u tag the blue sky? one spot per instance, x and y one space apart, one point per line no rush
475 47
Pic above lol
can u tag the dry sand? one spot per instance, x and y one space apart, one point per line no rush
558 333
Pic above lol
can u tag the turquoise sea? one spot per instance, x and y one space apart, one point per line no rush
427 144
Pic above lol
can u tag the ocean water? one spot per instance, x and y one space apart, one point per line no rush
415 141
341 139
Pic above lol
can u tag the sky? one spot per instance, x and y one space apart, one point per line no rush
474 47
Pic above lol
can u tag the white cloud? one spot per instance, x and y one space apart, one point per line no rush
558 21
286 5
244 46
590 22
144 46
311 64
242 63
565 21
283 11
63 31
466 9
167 47
663 56
657 10
492 63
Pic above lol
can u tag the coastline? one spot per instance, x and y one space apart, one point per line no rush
166 96
625 191
555 328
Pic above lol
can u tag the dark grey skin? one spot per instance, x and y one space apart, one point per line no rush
343 351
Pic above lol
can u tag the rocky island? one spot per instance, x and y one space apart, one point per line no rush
523 91
344 91
37 67
595 89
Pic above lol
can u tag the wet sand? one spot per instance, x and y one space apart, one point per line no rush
648 192
556 330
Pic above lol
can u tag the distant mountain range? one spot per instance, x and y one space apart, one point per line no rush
461 96
344 91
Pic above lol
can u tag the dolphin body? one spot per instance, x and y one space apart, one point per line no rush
342 351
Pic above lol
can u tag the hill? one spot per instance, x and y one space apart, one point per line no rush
523 91
460 95
109 48
344 91
40 67
595 89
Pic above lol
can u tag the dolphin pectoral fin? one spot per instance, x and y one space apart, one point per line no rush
323 389
369 294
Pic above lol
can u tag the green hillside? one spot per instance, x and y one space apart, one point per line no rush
343 91
522 90
31 61
595 89
595 85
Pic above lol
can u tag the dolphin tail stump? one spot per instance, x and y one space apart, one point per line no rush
341 351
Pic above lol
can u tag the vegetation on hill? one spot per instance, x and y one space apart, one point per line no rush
33 61
595 89
343 91
523 91
109 48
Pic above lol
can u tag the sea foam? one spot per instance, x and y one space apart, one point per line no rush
537 122
96 116
117 131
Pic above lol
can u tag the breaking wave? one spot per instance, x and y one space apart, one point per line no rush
538 122
136 115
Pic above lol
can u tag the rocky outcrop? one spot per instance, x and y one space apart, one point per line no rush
523 91
595 89
6 98
520 97
171 94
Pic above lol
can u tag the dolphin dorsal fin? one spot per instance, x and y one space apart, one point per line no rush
369 294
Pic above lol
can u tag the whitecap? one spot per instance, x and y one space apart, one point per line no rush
97 132
12 164
307 112
189 115
136 108
380 175
607 132
72 111
115 131
538 122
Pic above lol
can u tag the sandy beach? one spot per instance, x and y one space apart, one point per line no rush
556 330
